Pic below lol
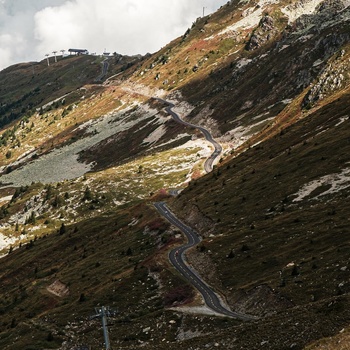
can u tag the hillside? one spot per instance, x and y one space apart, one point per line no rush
84 157
27 87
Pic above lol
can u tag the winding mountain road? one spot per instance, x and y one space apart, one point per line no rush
177 255
177 258
208 165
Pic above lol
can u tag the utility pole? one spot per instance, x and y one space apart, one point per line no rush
47 58
104 312
203 10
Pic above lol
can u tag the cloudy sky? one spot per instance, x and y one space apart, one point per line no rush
29 29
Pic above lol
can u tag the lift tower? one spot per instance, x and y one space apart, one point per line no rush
103 312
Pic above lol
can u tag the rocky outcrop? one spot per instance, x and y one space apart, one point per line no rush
334 77
196 219
260 301
262 34
326 13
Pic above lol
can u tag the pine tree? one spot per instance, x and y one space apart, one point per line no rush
62 229
129 251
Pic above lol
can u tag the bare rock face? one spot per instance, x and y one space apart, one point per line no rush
254 42
262 34
266 23
203 224
261 300
202 262
333 78
326 12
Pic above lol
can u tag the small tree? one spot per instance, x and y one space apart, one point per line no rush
283 282
32 219
129 252
62 229
8 154
87 194
245 247
231 255
49 192
49 336
13 323
58 201
295 271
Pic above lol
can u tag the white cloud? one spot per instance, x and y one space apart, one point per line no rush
29 29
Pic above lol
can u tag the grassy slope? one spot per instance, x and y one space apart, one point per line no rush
239 86
24 92
247 203
99 260
28 86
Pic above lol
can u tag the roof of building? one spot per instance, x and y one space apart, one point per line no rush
77 50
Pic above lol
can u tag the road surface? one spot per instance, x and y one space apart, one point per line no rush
177 258
208 165
105 66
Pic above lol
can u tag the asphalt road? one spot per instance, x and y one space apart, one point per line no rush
104 70
177 258
208 165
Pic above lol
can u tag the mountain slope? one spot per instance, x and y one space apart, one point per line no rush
28 86
270 81
258 80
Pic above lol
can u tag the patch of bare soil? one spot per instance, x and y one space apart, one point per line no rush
260 301
196 219
204 266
